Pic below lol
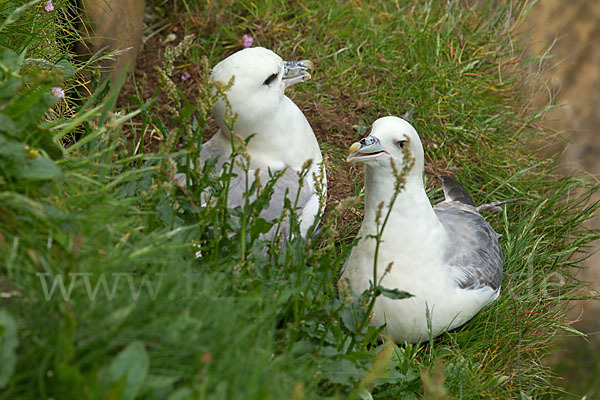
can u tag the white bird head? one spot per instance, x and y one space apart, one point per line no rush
390 138
260 78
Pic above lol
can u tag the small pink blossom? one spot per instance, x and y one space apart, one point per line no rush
247 41
58 92
185 76
49 6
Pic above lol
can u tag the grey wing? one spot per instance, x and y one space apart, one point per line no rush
474 255
453 191
287 185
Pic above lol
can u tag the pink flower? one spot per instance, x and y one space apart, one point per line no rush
247 41
185 76
58 92
49 7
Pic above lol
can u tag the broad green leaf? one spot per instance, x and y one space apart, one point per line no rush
39 169
67 68
22 164
132 364
351 318
8 89
340 371
260 226
31 106
10 60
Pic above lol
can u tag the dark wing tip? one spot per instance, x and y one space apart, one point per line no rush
453 191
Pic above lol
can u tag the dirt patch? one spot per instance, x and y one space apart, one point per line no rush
146 84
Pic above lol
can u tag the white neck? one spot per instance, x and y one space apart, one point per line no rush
412 220
285 136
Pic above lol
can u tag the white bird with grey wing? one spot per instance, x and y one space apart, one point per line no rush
448 257
282 139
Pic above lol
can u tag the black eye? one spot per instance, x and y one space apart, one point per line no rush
270 79
400 143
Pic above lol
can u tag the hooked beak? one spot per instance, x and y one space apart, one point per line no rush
367 149
297 71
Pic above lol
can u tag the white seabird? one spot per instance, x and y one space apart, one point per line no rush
283 139
448 257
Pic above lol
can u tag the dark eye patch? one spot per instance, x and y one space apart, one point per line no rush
400 143
270 79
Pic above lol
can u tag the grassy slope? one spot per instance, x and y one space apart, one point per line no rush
224 326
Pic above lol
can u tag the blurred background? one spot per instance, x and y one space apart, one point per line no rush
569 33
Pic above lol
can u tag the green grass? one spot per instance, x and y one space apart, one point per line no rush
230 324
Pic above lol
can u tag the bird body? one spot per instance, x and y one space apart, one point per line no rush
447 257
279 135
286 139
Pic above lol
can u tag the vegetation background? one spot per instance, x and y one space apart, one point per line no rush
140 316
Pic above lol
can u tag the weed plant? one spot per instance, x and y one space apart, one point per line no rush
116 282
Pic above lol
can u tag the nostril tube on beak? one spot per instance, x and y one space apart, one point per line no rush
369 140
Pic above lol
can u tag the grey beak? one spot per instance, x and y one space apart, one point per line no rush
297 71
366 149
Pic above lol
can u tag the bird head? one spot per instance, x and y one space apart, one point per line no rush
391 138
260 78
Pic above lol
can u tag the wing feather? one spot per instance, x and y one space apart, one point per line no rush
475 255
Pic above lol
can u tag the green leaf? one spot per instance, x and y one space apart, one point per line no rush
30 106
67 68
39 169
22 164
8 89
394 294
10 60
9 340
131 364
260 225
340 371
351 318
